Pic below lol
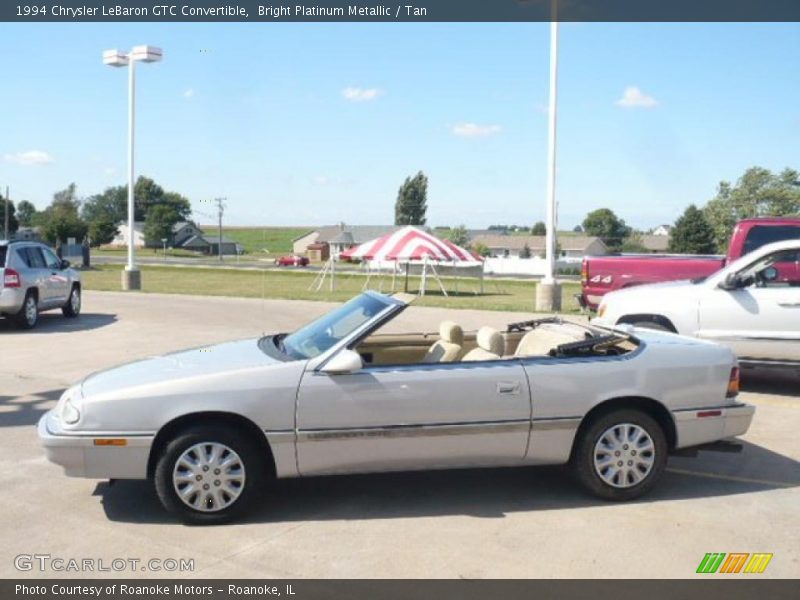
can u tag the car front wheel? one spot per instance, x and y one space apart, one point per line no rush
73 306
210 474
621 455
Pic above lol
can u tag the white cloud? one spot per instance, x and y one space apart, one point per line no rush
475 130
633 97
109 171
189 93
356 94
29 158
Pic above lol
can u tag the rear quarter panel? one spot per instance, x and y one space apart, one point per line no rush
665 368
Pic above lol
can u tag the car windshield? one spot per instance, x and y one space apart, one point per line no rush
324 333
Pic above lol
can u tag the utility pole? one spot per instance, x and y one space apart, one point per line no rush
220 209
6 234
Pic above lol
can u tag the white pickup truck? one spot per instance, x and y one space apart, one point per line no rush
752 306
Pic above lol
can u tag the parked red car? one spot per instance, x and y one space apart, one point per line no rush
292 260
603 274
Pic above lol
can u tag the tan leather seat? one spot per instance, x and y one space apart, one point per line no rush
491 346
449 346
539 341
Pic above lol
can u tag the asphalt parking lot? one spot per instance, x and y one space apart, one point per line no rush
527 522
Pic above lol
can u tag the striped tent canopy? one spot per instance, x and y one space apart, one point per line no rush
410 244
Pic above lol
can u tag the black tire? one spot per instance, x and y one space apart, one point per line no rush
250 453
583 458
72 309
28 315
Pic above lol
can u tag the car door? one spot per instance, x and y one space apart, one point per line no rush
413 416
759 320
57 279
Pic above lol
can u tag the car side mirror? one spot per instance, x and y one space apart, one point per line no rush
64 264
731 282
345 361
769 274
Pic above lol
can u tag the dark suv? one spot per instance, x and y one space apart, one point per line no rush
33 279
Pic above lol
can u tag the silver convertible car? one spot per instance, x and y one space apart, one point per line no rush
213 426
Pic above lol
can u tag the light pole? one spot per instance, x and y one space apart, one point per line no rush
164 242
548 292
131 276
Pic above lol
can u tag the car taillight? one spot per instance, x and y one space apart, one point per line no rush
733 383
11 278
584 272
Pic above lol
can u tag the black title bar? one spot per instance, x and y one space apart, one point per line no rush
367 11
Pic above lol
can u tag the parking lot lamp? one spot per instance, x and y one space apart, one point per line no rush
131 277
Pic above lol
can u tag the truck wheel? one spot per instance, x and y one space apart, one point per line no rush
73 306
210 474
621 455
28 315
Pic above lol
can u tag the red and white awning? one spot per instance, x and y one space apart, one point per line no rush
409 244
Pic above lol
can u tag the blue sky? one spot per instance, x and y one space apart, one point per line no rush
315 123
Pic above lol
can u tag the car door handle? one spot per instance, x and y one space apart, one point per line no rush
788 302
508 387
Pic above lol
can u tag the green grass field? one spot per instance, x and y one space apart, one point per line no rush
498 295
278 240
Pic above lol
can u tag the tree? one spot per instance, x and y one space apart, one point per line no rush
110 205
525 252
539 228
758 192
633 243
26 213
412 201
60 220
459 236
481 249
692 233
158 223
577 229
13 224
603 223
102 231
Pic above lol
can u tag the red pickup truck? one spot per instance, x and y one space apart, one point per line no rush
603 274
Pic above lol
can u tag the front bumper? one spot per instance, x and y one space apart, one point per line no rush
701 426
11 300
83 454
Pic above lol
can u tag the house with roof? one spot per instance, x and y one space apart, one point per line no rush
320 243
185 235
664 230
655 243
571 246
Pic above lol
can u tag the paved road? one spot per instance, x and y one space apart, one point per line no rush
529 522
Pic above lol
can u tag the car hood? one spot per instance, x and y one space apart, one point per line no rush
205 360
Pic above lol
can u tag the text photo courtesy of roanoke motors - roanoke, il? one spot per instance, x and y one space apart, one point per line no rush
424 300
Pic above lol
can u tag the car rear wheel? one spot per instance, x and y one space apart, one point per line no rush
621 455
73 306
210 474
28 315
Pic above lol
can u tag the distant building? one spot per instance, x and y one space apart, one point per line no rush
336 238
185 235
662 230
655 243
28 234
571 246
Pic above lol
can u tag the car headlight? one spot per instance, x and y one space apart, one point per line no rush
69 414
67 410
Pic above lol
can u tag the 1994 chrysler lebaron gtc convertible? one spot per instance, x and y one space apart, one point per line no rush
212 426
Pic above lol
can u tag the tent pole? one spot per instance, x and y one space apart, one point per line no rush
405 288
438 280
424 275
394 274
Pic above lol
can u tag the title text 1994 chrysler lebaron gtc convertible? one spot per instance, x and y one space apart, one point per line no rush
212 426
